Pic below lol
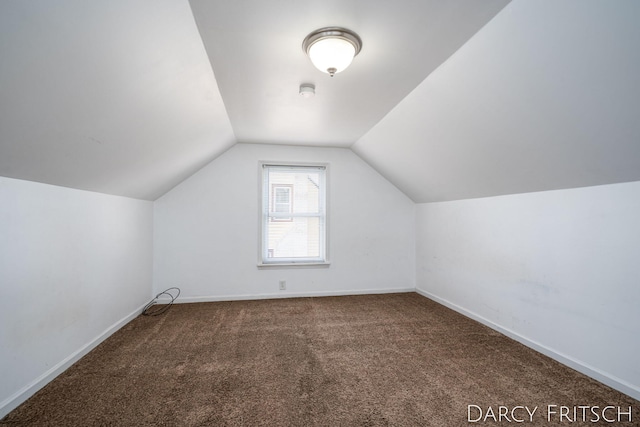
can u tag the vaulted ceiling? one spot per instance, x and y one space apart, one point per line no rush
448 99
114 96
544 97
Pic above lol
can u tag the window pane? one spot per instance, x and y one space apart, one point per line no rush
293 224
299 238
303 196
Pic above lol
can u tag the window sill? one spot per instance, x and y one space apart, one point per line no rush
325 264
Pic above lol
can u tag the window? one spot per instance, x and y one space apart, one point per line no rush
282 200
293 215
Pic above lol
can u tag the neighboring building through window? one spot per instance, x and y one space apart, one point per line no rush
294 223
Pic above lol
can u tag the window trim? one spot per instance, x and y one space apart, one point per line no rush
262 187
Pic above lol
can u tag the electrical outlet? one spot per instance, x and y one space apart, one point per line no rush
283 285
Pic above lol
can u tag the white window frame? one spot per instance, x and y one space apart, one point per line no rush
266 217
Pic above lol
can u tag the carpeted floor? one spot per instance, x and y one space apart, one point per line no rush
374 360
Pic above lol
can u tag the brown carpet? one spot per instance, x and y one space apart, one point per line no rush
374 360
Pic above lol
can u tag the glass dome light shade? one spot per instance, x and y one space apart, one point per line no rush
331 55
331 49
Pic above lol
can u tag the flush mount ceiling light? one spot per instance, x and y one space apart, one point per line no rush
331 49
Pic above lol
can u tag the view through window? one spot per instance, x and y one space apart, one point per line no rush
293 214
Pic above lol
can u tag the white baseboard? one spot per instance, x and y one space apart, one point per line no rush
590 371
284 294
30 389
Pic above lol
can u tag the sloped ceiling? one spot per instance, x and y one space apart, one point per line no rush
120 97
546 96
449 99
113 96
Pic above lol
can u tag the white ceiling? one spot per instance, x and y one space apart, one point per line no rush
114 96
130 97
255 48
546 96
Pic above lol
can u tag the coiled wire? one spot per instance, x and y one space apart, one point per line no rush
152 310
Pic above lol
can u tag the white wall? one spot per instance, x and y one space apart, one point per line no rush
206 230
74 266
557 270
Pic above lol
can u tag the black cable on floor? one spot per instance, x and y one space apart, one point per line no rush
148 309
